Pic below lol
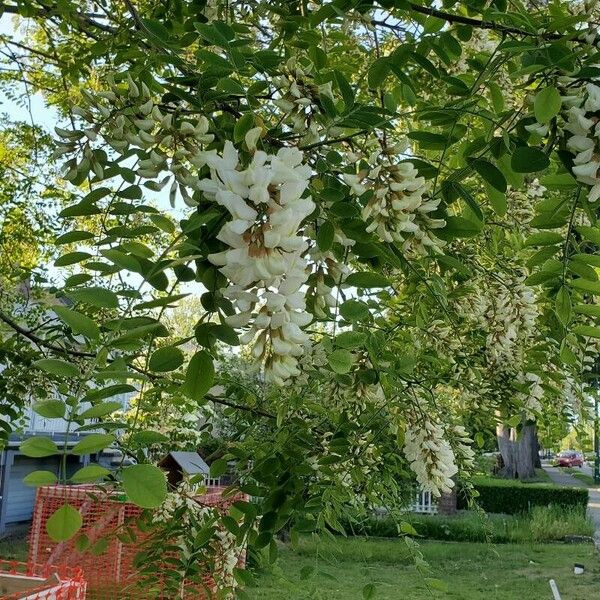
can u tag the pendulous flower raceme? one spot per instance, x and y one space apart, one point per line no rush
429 453
397 208
265 260
132 123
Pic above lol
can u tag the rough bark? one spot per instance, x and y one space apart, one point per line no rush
519 451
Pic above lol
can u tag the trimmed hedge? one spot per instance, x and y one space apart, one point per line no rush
512 497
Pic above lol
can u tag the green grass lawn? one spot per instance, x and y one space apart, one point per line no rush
340 569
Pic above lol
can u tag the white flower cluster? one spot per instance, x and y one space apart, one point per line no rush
589 26
328 273
536 189
532 398
265 261
225 552
362 459
462 445
584 141
430 454
299 99
511 316
311 363
127 118
397 209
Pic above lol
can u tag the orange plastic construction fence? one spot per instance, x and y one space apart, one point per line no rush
28 581
108 559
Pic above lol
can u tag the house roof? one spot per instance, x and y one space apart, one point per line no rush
190 463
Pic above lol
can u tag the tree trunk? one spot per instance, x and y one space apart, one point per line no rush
519 452
526 452
507 450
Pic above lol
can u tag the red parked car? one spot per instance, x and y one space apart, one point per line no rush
568 458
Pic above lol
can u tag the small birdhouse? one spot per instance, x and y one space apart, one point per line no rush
178 465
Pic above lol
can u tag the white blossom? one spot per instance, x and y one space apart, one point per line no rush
264 262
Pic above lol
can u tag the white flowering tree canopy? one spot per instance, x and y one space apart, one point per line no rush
388 211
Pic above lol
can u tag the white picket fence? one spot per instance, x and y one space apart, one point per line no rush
424 503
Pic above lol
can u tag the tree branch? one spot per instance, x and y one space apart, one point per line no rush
479 24
39 341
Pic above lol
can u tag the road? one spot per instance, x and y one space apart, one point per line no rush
560 477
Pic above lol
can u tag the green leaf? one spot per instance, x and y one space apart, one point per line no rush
166 359
489 173
101 410
72 237
95 296
108 392
94 442
89 473
71 258
547 104
163 223
526 159
407 528
133 192
497 97
368 279
212 35
50 409
244 124
562 305
36 478
466 195
435 141
345 89
590 233
64 523
593 287
145 485
325 236
562 181
593 310
55 366
459 227
378 71
543 238
350 339
587 331
199 376
496 199
77 322
39 447
354 310
341 361
218 468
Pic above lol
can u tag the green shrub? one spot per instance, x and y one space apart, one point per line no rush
513 497
541 524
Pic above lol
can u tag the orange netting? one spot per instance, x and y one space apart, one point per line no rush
29 581
112 534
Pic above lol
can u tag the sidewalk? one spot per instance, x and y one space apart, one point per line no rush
561 478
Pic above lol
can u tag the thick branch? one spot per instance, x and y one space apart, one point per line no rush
479 24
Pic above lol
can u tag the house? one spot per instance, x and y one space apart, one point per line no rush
177 465
16 497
